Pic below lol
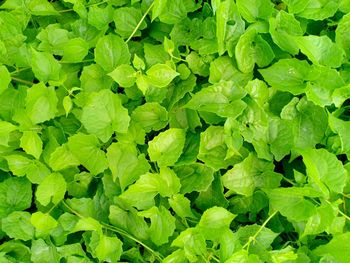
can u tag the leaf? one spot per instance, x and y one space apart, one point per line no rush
15 195
43 222
107 249
5 130
124 75
86 149
160 75
258 9
214 221
99 16
287 75
342 37
5 78
283 29
126 19
17 225
194 177
151 116
166 148
41 8
75 50
51 189
41 103
338 247
319 9
252 48
291 202
162 224
45 67
110 52
67 104
104 114
31 143
126 165
61 158
321 50
244 177
324 168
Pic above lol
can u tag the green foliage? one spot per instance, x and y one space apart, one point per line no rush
174 131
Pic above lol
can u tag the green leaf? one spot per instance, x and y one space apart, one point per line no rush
75 50
323 167
214 221
5 78
194 177
338 248
213 149
342 37
51 189
106 249
162 224
67 104
41 8
141 194
291 202
151 116
5 130
252 172
321 50
287 75
43 222
104 114
283 29
15 195
124 75
255 10
126 19
322 84
61 158
86 149
31 143
45 67
181 205
126 165
166 148
252 49
193 243
99 16
110 52
264 238
319 9
17 225
41 103
160 75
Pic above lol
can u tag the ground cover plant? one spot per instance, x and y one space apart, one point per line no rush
174 131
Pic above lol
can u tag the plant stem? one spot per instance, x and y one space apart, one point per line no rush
22 81
119 231
140 22
253 238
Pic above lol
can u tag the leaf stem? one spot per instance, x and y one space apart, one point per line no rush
339 211
253 238
70 10
119 231
140 22
19 70
22 81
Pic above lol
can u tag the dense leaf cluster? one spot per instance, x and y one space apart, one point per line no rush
174 131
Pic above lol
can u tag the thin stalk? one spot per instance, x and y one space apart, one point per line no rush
118 231
140 22
253 238
22 81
